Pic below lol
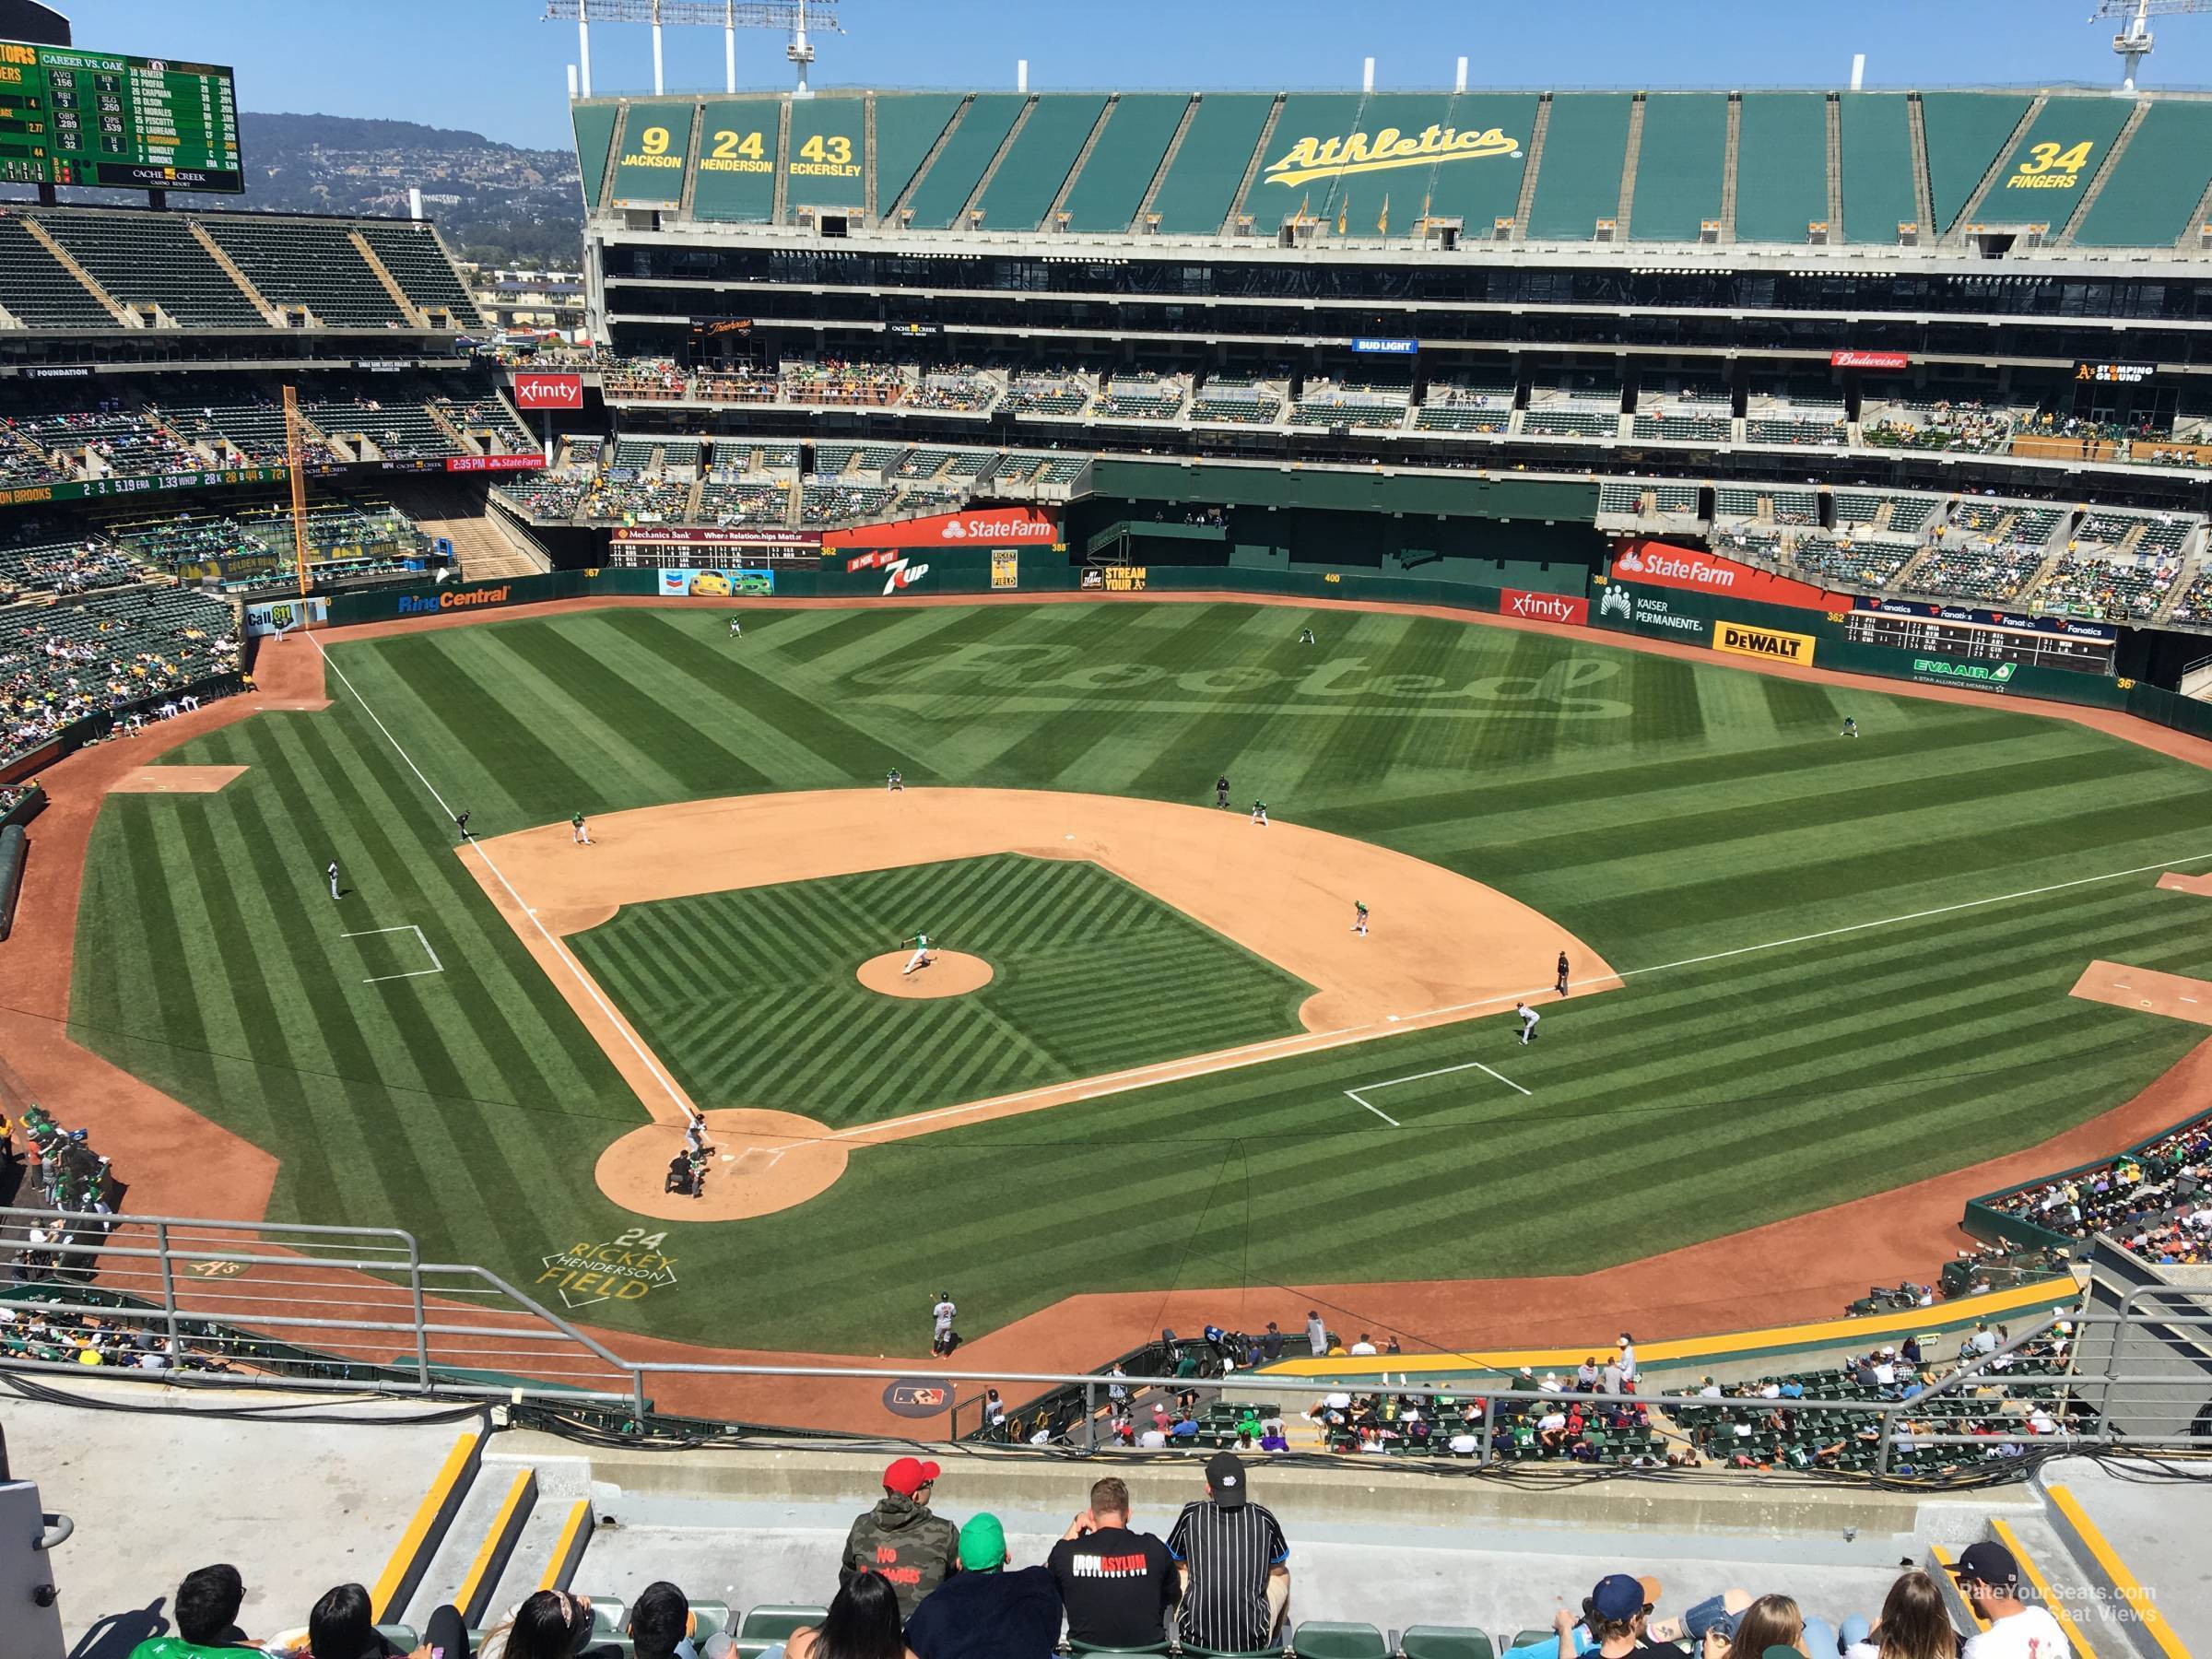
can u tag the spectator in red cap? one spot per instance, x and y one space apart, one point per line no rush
912 1549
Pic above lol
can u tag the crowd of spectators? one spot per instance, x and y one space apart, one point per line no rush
112 653
911 1585
960 389
2153 1200
843 381
2112 587
1946 424
65 565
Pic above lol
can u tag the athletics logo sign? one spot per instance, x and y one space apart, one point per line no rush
1390 149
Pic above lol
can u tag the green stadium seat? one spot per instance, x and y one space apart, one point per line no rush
1081 1647
775 1623
1523 1638
609 1614
709 1618
1317 1640
1444 1642
400 1636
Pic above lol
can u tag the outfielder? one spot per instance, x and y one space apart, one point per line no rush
922 950
1528 1022
333 874
1305 636
736 629
578 833
1851 727
894 782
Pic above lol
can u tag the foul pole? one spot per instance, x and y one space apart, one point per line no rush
295 462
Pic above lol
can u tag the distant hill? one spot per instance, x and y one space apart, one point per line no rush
493 202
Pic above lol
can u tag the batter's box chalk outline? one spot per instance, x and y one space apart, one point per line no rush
1364 1089
436 966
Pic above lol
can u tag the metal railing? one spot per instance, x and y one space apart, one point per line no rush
355 1308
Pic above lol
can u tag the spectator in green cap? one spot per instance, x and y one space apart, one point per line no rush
985 1611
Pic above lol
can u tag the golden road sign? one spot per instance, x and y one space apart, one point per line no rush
1359 153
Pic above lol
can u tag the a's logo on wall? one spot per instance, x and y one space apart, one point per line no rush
1385 150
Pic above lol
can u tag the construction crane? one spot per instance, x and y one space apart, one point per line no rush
729 16
2134 41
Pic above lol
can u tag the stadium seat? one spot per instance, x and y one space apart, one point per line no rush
775 1623
609 1612
1316 1639
400 1636
709 1618
1081 1647
1443 1642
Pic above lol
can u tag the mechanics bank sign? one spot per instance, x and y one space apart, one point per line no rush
1385 149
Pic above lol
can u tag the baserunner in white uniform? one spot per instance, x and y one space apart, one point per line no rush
1528 1021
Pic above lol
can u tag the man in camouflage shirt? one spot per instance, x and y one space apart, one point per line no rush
900 1539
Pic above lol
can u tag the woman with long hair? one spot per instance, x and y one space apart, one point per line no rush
550 1624
1915 1624
862 1623
1771 1621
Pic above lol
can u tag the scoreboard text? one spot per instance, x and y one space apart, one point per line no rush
71 117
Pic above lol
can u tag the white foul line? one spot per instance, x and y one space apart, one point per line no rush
369 933
558 949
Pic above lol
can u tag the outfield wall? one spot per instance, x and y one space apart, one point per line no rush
1736 630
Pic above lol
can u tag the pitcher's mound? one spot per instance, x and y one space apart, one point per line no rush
949 973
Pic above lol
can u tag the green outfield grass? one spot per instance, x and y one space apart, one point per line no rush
750 997
1664 809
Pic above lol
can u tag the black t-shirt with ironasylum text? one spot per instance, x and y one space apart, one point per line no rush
1116 1585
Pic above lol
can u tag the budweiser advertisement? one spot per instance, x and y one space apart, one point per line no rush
1656 564
1869 359
986 527
1543 607
535 391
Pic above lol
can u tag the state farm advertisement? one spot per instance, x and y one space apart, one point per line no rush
1543 607
986 527
536 391
1656 564
475 463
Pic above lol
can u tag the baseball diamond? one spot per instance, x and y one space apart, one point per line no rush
1895 925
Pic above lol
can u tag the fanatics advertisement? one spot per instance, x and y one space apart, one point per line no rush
1929 611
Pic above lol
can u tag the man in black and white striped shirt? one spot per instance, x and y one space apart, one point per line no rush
1234 1561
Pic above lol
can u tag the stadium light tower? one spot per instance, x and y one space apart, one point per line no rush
729 16
2134 41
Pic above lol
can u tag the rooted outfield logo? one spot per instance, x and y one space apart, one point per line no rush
1770 643
1058 672
1996 675
1389 149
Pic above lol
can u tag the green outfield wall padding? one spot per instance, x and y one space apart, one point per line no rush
1679 164
1964 133
1107 192
1578 181
1781 170
1201 185
736 161
594 137
1036 162
649 162
907 124
1875 147
950 179
825 166
2155 186
2052 167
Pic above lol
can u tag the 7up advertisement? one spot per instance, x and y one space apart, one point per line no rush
1982 676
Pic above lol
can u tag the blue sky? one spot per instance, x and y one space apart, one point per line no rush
493 65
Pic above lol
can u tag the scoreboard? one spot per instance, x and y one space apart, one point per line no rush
73 117
1984 636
